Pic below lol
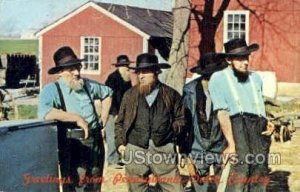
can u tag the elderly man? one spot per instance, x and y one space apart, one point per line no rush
119 81
208 142
70 99
237 98
150 118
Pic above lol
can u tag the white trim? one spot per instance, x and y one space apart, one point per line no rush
92 72
145 45
102 10
40 54
247 23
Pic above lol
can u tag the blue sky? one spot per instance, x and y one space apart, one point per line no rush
24 17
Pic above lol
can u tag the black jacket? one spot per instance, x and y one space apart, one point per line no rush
129 107
119 86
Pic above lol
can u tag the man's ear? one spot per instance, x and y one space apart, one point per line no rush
59 73
228 60
158 72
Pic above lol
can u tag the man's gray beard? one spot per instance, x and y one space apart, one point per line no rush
75 85
125 76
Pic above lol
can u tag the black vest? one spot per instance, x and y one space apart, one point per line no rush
151 123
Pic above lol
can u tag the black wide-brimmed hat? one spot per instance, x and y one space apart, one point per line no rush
64 57
122 60
209 63
149 61
239 47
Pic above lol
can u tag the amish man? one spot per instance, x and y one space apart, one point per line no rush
208 139
150 117
119 81
237 98
70 99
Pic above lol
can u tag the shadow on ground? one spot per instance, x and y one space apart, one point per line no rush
279 181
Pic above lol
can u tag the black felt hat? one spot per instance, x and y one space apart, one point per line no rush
122 60
209 63
64 57
239 47
149 61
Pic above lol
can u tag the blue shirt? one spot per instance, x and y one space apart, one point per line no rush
76 101
223 98
152 96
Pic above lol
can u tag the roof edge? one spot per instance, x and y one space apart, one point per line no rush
97 7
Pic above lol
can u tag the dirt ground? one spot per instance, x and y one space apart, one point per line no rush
285 175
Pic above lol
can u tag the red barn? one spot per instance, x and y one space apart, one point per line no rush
100 32
273 24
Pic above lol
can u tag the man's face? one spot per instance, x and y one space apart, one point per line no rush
71 76
124 71
147 80
239 66
240 63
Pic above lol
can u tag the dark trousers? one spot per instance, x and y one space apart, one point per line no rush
140 163
250 171
83 162
112 155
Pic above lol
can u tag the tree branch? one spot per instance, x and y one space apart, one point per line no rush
208 8
221 10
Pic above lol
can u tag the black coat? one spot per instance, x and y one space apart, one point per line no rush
129 107
119 86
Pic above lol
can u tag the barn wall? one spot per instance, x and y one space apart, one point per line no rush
116 40
274 26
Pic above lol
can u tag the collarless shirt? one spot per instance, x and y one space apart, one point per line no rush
152 96
76 101
223 98
208 105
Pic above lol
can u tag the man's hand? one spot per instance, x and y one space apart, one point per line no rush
115 117
121 150
104 120
103 132
270 129
58 114
83 125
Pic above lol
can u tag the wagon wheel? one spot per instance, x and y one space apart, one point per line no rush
7 103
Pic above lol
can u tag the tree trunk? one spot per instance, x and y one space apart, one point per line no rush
207 43
178 59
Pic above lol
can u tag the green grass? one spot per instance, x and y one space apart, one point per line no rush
18 46
25 112
284 108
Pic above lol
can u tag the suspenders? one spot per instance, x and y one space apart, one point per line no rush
61 97
255 95
235 94
62 101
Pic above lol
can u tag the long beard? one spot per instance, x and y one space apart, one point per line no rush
74 84
145 89
241 76
125 76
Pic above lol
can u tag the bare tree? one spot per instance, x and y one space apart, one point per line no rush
208 23
175 77
207 26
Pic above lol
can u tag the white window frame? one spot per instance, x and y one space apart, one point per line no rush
83 54
239 12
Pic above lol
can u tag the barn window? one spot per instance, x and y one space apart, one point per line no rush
236 25
91 52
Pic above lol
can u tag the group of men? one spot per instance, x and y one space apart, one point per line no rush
223 109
